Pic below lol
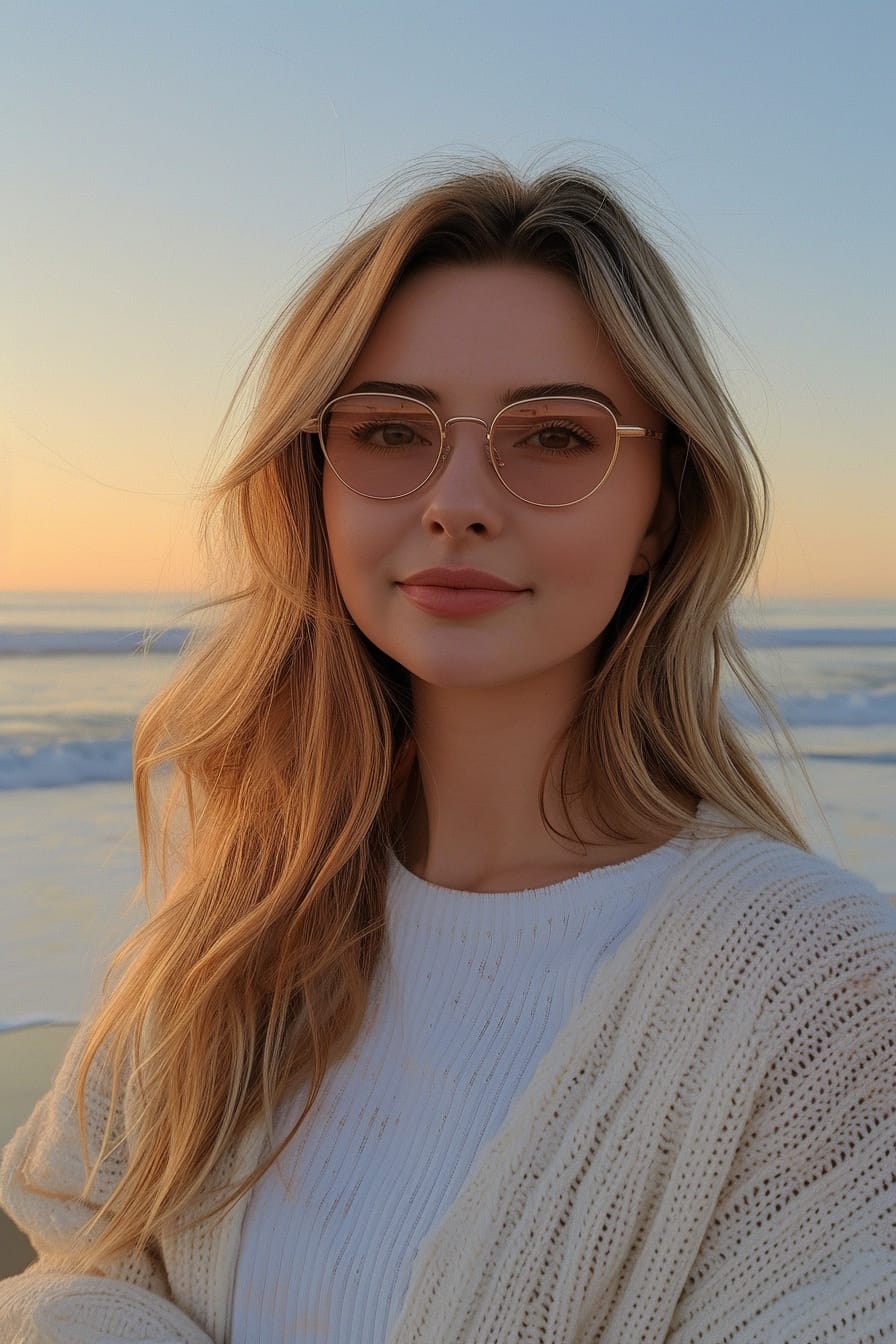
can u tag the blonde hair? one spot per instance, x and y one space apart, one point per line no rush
287 735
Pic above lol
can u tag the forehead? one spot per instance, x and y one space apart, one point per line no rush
466 329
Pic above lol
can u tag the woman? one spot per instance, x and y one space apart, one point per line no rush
494 994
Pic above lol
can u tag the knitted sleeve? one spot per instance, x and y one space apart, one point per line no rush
42 1176
801 1246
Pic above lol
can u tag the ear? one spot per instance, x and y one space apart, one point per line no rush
661 528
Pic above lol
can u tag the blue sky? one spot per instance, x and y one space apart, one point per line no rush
175 169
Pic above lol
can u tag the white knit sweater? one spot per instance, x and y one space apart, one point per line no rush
470 994
706 1154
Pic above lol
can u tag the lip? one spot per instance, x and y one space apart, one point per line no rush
444 577
440 600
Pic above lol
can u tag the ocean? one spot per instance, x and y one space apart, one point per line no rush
74 674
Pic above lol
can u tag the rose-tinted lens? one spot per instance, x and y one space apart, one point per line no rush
380 445
554 450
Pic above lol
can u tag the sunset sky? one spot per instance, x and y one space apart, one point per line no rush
172 171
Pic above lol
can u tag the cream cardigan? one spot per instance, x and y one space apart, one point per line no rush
706 1153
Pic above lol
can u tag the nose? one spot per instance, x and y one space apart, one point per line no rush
448 442
461 495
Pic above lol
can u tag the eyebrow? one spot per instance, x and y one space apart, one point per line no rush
511 394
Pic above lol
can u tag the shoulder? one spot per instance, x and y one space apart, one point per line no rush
742 867
785 921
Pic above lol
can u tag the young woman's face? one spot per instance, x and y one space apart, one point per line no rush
468 333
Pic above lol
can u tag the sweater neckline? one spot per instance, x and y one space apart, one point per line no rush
639 868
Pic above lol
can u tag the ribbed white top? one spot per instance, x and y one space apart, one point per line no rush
471 992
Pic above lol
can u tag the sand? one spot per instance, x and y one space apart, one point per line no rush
29 1058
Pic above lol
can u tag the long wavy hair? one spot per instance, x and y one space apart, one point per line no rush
284 739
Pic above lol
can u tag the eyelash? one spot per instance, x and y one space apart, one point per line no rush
586 441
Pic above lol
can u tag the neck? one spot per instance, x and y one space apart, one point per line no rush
470 816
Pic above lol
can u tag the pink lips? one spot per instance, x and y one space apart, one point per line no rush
442 601
454 590
460 577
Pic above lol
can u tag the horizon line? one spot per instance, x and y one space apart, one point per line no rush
783 596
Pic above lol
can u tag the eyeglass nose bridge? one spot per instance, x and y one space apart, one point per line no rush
446 447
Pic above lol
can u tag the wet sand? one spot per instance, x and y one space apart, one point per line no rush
29 1058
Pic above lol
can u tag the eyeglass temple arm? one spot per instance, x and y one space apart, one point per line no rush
635 432
625 431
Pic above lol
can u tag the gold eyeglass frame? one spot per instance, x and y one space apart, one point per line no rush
622 432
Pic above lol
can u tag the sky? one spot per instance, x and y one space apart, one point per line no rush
171 172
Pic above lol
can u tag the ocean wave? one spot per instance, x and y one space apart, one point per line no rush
36 643
797 637
88 760
63 764
852 757
36 1020
823 709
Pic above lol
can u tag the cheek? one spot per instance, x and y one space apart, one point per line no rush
589 567
627 514
356 544
345 536
597 555
343 542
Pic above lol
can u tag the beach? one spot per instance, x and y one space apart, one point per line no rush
29 1059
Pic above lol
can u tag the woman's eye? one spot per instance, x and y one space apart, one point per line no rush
555 438
559 439
396 434
393 434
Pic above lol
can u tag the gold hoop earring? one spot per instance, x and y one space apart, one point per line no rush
631 628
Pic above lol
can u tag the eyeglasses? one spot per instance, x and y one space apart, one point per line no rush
549 451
